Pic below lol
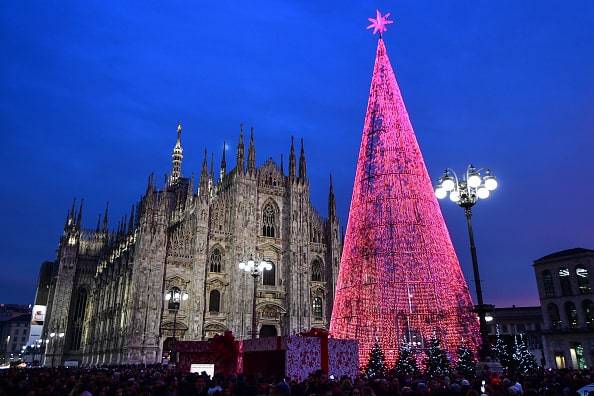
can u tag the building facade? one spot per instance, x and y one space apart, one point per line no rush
565 291
107 301
14 331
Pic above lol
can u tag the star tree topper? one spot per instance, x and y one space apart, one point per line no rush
379 22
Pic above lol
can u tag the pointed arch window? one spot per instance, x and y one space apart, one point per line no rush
571 313
269 276
316 308
216 260
565 281
269 228
583 280
214 301
547 283
317 275
554 317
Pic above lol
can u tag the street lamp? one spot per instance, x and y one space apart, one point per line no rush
255 270
174 297
466 192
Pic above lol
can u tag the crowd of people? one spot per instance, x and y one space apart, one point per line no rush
161 380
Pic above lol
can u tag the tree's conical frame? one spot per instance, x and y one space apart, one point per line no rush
399 279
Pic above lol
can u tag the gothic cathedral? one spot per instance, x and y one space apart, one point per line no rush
112 290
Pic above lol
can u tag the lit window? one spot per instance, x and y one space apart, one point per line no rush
317 308
583 281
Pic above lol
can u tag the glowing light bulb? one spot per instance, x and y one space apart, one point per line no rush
454 196
474 180
490 183
482 192
448 183
441 192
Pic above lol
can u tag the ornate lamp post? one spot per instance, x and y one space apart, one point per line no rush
255 270
466 192
174 297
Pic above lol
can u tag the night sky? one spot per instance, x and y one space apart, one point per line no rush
91 94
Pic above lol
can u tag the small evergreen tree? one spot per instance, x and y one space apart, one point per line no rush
437 363
466 364
376 366
525 363
407 361
501 351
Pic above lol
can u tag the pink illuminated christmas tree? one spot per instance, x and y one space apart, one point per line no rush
400 280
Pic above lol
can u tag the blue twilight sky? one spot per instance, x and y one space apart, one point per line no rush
90 94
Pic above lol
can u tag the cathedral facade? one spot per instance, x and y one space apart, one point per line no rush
111 296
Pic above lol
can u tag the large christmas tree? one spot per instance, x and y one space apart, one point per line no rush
399 274
376 366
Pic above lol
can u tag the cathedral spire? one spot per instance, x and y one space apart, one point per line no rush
70 215
177 156
251 163
331 201
105 219
131 220
240 151
79 216
203 185
98 228
302 167
223 163
212 167
124 223
292 159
